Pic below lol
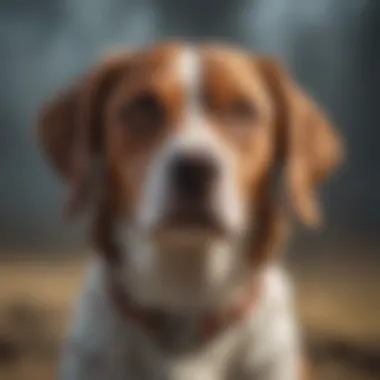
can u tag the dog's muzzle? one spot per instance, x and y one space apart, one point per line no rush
193 178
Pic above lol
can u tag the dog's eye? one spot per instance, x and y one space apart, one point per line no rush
241 110
143 114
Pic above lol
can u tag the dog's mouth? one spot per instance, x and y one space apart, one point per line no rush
191 222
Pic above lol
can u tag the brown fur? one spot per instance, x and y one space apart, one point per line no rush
309 145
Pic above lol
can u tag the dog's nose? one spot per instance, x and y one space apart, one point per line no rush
192 175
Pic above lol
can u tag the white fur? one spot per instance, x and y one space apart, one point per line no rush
102 345
194 135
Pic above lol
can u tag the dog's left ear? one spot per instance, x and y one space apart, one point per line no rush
307 143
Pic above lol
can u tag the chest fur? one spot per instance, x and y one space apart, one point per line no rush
104 345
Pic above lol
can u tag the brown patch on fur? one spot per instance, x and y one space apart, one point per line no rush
239 105
128 152
285 137
75 128
231 80
81 126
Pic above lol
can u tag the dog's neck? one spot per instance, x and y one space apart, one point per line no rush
179 302
182 287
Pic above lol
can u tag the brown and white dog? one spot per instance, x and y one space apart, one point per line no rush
193 157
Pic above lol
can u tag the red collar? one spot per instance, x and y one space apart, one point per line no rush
153 320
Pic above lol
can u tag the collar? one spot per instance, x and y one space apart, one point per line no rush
159 323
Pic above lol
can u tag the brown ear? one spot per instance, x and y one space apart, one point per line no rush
70 127
309 146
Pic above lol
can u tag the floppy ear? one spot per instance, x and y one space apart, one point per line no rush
308 145
70 127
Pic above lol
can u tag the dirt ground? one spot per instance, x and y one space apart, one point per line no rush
339 308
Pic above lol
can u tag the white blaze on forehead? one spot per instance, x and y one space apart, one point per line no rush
194 134
190 76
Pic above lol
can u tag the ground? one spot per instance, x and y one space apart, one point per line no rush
339 308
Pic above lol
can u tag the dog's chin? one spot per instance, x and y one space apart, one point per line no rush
182 238
190 231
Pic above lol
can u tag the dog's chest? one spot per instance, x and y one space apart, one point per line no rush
219 360
105 345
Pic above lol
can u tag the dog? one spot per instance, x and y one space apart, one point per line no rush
193 159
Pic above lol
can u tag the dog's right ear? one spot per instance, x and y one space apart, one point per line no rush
70 127
310 146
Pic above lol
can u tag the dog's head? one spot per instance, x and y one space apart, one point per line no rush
191 142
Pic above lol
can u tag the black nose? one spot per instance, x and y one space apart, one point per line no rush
192 175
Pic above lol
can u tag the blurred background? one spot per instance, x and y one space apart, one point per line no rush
332 48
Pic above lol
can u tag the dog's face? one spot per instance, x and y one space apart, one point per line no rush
190 139
187 141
